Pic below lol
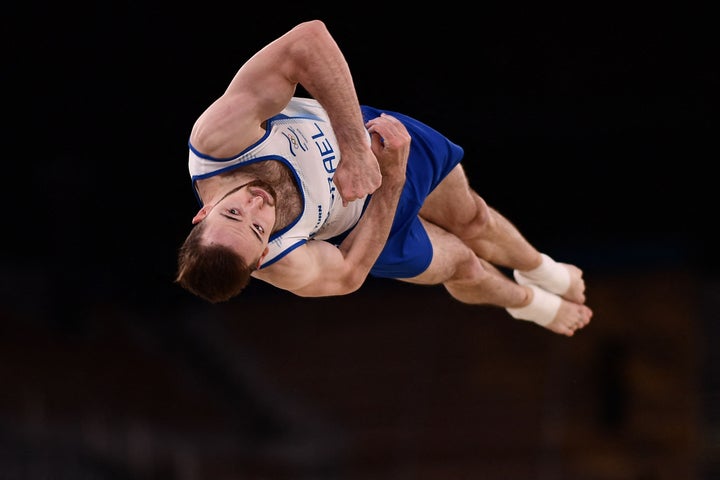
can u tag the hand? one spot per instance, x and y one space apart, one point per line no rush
357 178
391 146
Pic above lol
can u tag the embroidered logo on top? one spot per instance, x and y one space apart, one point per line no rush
295 139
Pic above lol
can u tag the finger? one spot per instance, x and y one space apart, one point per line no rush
383 120
386 136
376 141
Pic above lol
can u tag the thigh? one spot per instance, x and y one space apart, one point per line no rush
450 255
452 203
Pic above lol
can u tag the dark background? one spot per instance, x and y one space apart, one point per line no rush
594 130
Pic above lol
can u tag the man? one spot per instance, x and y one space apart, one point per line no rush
300 193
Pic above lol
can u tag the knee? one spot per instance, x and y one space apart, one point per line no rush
468 267
471 282
476 221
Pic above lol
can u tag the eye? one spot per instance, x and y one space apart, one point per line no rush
259 228
234 211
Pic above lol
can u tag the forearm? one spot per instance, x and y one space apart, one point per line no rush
363 246
321 68
308 55
320 269
391 144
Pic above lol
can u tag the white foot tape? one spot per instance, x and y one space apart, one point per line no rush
541 310
550 275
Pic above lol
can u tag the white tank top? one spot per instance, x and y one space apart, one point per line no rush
300 137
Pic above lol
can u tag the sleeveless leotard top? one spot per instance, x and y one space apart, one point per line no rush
302 139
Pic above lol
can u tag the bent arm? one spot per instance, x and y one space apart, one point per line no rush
264 85
320 269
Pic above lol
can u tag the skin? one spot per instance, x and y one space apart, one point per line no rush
469 238
264 85
243 219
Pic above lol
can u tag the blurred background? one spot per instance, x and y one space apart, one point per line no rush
593 129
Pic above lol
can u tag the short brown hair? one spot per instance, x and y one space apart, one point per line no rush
212 272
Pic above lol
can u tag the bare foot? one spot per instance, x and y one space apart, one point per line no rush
570 317
576 292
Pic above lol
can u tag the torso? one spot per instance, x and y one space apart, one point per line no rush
298 156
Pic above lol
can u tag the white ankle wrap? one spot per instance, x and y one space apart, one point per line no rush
550 275
542 308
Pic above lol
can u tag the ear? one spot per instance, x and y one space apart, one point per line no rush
202 213
262 257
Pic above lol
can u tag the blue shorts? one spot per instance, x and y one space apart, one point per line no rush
408 251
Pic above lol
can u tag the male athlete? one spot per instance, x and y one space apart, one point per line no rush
312 195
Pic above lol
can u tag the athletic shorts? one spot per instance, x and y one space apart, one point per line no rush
408 251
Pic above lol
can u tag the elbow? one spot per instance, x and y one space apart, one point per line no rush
315 25
313 29
356 280
352 282
307 39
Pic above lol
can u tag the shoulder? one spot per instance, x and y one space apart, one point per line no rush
226 127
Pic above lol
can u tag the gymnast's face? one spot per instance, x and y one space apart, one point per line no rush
242 220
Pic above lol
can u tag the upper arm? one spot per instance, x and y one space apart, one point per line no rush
261 88
270 76
316 269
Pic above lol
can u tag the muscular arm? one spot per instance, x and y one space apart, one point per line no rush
318 268
263 86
